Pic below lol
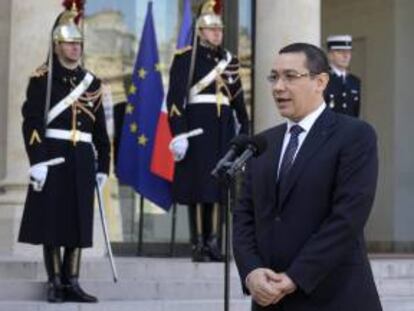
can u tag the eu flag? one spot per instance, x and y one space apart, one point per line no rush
141 116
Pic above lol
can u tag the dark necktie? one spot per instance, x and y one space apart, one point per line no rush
290 151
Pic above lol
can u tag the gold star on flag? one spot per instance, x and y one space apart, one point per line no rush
142 73
133 127
129 109
132 89
159 67
142 140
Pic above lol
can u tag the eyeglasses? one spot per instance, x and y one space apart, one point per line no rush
288 77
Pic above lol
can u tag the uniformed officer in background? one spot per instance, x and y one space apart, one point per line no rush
343 93
214 102
68 148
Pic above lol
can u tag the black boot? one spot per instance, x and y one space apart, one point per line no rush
213 249
198 249
71 266
53 263
211 217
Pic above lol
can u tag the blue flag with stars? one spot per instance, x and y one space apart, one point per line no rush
140 121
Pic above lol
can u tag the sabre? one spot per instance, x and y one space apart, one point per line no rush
55 161
105 232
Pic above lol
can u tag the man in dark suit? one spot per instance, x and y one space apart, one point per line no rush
298 226
343 93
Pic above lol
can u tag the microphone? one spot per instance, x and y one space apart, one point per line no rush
256 146
237 145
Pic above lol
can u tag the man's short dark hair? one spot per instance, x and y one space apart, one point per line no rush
316 60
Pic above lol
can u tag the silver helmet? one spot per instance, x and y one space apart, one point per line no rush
208 18
66 29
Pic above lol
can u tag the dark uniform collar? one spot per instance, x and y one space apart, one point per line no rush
65 74
210 52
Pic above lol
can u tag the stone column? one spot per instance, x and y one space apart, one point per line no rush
29 24
402 145
279 23
5 9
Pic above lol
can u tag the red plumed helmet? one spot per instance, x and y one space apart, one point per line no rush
218 7
80 6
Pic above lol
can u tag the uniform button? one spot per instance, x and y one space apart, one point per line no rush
331 95
79 123
344 94
78 111
344 105
332 105
278 219
356 98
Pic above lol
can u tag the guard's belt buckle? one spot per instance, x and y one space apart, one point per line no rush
75 135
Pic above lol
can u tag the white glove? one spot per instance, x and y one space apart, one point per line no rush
101 179
38 175
178 147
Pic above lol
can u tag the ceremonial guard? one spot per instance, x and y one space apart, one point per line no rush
212 101
343 93
68 148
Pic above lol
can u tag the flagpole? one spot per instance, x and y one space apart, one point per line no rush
140 226
173 226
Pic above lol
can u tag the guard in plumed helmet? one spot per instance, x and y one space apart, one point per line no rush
343 93
205 93
68 148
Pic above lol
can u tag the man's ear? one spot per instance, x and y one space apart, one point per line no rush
322 80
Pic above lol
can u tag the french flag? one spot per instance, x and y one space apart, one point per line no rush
162 162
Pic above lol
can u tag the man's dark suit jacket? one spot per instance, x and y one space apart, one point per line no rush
310 225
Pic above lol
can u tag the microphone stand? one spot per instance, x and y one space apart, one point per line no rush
227 183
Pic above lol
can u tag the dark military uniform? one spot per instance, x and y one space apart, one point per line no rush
62 213
217 107
343 95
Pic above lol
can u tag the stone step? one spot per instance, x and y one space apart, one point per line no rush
127 290
155 268
170 289
128 268
398 304
147 305
393 268
389 304
395 287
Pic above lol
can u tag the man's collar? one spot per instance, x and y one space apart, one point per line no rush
307 122
337 71
206 44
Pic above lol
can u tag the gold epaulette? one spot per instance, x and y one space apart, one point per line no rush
40 71
183 50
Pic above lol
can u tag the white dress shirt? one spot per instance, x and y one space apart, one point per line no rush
339 73
306 124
